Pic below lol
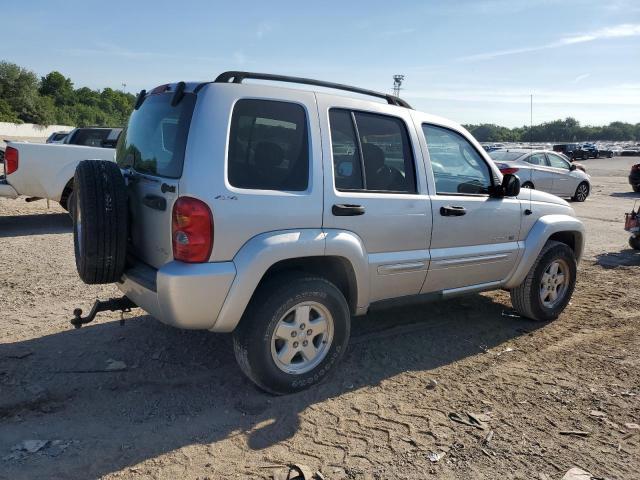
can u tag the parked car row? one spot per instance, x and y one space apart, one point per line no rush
546 171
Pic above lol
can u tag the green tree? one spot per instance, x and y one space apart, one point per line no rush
19 89
7 114
58 87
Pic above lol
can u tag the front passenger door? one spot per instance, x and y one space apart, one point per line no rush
562 184
475 237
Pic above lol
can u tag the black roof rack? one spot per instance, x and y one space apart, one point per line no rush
238 77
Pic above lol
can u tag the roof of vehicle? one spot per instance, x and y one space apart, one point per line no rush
223 82
522 151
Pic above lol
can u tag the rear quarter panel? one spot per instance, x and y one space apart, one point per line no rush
242 214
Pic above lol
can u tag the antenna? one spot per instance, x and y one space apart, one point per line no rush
124 87
397 84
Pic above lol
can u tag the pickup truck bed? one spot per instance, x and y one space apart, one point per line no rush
46 170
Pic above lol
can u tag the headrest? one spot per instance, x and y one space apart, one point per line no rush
268 155
373 156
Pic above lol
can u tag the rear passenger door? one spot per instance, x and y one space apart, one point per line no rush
541 174
374 187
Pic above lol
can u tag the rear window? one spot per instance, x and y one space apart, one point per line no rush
90 137
268 146
504 155
155 138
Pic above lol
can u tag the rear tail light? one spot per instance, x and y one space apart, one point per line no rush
510 170
635 167
191 230
10 160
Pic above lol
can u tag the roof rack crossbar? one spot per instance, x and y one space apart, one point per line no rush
238 77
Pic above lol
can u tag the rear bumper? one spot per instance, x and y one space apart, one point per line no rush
180 294
7 190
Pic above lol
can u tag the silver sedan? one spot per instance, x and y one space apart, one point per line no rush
544 170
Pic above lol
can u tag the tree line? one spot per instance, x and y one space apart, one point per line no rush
53 100
567 130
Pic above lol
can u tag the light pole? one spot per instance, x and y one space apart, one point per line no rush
397 84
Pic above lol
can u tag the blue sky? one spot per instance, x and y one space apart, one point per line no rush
471 61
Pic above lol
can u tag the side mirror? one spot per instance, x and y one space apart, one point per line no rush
510 185
572 167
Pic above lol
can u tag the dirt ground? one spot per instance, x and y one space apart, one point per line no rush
149 401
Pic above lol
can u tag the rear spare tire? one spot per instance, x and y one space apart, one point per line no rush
99 221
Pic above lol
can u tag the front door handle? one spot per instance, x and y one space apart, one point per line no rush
452 211
345 210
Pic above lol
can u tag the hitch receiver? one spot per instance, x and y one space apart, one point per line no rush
112 305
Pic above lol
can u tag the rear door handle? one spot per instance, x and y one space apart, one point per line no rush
452 211
345 210
156 202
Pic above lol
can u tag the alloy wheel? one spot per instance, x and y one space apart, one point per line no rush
554 283
302 338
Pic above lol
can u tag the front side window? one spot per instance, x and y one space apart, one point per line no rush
557 162
268 146
371 152
457 167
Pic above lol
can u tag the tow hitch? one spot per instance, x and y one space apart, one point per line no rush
112 305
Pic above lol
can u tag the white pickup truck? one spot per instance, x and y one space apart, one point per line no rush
45 170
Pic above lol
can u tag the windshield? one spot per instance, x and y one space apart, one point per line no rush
504 155
156 135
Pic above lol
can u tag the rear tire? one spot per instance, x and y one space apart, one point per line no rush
582 192
527 298
636 188
283 304
528 185
634 242
99 221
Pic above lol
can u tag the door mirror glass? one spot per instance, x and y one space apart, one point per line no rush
510 185
572 167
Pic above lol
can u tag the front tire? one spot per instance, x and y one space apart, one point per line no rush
582 192
548 286
528 185
636 188
294 332
634 242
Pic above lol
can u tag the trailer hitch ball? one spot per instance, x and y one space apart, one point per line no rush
122 304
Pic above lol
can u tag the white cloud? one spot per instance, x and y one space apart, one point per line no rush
263 29
400 31
617 31
579 78
621 94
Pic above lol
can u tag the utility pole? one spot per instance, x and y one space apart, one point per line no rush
397 84
124 87
531 122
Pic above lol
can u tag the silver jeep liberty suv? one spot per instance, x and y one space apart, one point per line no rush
279 214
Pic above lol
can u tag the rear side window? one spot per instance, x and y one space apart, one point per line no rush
537 159
268 146
156 136
371 152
